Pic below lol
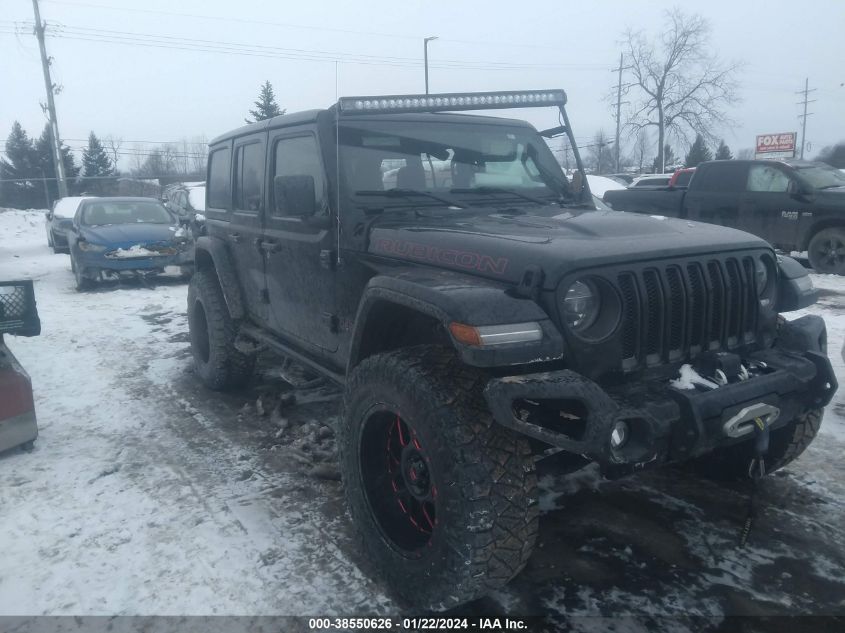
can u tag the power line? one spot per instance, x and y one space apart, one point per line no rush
153 40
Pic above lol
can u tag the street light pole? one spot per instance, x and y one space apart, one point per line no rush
425 56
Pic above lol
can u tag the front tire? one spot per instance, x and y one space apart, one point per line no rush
444 498
826 251
785 445
216 361
81 283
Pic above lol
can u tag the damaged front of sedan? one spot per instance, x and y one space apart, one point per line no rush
112 238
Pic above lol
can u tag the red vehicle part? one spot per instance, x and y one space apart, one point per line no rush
17 408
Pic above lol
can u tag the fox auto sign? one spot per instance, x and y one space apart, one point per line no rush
776 145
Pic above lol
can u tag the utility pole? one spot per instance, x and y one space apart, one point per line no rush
619 107
51 106
425 57
804 116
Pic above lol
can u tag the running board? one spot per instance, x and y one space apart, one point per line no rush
275 344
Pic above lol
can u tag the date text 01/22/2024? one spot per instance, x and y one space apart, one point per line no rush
418 624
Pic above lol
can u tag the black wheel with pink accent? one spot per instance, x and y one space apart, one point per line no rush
444 498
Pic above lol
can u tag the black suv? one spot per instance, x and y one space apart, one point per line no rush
482 316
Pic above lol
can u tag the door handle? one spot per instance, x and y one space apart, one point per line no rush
269 246
236 237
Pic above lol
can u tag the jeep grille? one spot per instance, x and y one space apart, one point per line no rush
676 311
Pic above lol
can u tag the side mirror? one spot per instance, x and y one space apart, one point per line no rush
797 190
295 196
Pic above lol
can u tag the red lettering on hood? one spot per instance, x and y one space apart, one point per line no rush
450 257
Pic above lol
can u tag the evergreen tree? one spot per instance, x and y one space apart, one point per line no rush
698 152
723 152
96 164
266 106
669 159
44 151
834 155
20 164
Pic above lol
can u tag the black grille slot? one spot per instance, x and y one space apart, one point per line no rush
749 324
697 309
653 316
677 318
735 301
717 305
630 316
679 311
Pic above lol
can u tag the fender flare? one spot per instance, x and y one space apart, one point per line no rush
216 250
451 297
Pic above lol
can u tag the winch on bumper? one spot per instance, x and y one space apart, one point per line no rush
633 424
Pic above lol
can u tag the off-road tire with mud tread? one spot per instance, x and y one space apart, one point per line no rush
485 475
222 366
785 445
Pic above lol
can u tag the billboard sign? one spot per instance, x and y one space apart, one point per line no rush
776 145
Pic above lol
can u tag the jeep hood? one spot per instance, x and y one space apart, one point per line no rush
501 246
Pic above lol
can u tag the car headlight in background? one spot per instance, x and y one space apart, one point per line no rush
581 305
89 247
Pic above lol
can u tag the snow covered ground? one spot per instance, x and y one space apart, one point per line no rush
146 494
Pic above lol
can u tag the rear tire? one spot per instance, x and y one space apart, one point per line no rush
216 361
785 445
826 251
444 498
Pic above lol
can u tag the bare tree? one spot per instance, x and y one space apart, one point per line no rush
113 146
746 153
676 84
641 148
199 154
599 156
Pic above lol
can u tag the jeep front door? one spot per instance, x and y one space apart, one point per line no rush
299 243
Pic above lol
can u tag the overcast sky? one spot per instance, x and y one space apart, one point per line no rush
152 93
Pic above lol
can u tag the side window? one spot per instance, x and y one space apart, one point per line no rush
249 172
767 178
300 156
219 189
726 176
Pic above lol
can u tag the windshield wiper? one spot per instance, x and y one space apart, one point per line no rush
500 190
408 193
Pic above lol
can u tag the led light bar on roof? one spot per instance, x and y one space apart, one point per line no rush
452 101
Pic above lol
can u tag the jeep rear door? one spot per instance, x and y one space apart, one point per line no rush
243 232
299 251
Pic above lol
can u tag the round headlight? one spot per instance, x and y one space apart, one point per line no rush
761 271
581 305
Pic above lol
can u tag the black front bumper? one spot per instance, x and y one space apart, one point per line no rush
665 424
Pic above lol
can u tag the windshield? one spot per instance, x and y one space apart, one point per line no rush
822 176
457 160
125 212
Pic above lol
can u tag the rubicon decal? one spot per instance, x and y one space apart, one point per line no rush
447 256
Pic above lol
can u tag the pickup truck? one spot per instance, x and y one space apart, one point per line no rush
795 205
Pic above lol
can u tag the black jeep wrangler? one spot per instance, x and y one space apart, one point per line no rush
482 316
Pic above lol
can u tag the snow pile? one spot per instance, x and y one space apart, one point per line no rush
134 251
196 196
66 207
689 378
600 184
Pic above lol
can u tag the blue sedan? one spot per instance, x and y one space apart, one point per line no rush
117 237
